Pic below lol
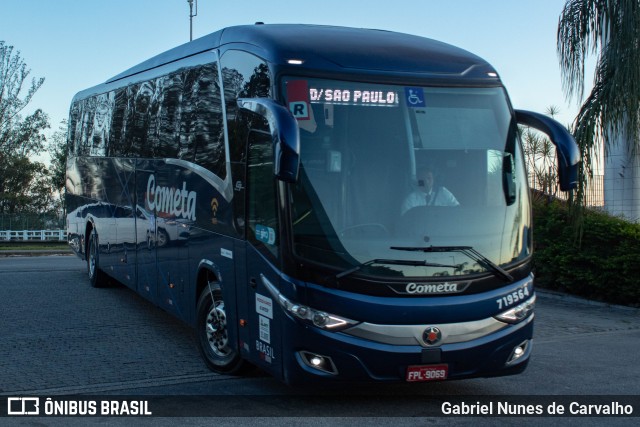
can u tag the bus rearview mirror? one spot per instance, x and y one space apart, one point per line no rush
284 133
508 178
566 147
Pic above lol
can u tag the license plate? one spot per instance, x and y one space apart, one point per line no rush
427 373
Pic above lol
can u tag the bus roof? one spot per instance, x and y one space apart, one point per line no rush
335 49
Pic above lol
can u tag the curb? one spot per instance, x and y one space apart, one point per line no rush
559 296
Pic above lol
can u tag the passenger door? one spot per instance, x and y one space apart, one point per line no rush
262 254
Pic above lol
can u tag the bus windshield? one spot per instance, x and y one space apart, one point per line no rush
388 166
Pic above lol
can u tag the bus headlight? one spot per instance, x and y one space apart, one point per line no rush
317 318
519 312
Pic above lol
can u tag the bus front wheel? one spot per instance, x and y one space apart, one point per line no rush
212 332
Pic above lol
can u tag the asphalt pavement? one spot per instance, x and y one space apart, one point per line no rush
61 337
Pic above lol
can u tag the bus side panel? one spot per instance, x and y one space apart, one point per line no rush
189 222
242 296
173 222
146 235
265 317
216 253
93 198
75 204
123 194
162 231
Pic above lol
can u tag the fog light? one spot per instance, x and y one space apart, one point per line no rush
518 352
318 362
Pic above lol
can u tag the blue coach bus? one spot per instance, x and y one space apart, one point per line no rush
321 202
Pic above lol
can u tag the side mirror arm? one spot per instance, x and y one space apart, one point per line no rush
285 135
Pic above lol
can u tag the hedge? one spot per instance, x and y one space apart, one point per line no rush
603 265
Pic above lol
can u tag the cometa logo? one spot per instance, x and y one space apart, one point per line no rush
432 288
170 200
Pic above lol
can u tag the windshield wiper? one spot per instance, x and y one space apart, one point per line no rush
393 262
465 250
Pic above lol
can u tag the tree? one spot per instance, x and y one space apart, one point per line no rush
17 135
24 184
539 154
610 30
25 187
58 153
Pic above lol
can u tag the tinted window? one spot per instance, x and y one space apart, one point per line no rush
262 208
174 116
244 76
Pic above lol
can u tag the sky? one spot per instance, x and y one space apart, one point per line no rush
76 44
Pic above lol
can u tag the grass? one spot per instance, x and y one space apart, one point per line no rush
29 246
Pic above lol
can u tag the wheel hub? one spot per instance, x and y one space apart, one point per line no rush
216 329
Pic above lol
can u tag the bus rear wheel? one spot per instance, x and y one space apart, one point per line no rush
215 347
96 276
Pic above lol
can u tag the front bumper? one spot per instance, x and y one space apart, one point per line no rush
356 358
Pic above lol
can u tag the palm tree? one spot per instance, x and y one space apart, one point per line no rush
610 30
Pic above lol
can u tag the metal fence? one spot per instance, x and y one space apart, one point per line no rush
594 192
594 195
30 222
33 235
32 228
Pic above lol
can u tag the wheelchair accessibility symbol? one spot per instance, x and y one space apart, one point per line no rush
414 96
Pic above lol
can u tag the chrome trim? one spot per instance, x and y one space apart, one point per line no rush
275 293
412 334
225 127
222 186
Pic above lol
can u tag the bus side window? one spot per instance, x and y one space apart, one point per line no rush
244 76
202 138
262 195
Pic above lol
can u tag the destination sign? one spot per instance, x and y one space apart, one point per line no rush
332 95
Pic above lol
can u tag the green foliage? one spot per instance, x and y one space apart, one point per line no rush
18 135
540 155
25 185
603 267
58 153
610 32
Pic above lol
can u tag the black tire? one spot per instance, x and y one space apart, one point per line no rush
96 276
212 335
149 241
162 238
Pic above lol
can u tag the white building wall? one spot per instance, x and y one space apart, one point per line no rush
622 181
